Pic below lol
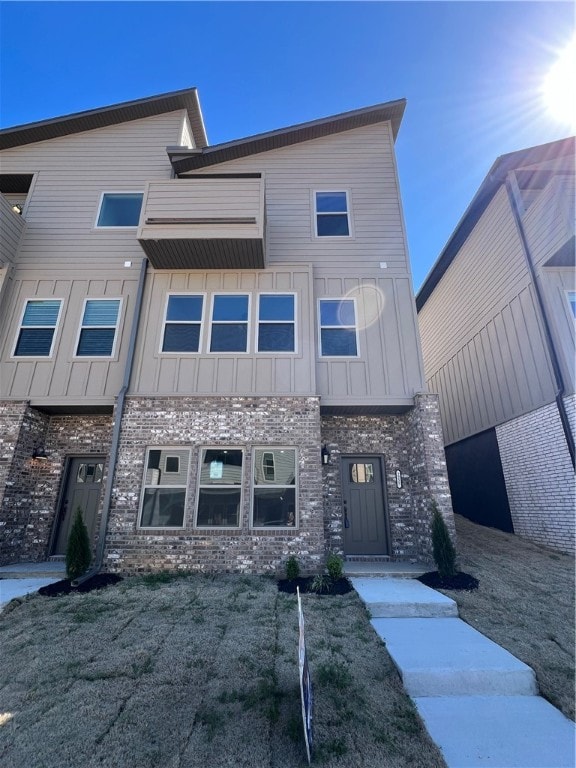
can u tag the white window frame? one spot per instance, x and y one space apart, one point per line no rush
184 322
320 327
20 326
144 486
112 354
571 298
269 449
315 214
103 228
230 322
279 322
199 487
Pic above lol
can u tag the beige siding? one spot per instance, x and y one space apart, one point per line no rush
11 229
549 221
556 284
483 346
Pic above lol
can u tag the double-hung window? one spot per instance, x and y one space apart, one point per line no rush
338 332
220 488
164 492
229 330
98 329
332 214
276 322
119 209
183 323
274 488
38 328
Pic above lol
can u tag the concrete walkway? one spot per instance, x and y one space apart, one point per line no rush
478 702
23 578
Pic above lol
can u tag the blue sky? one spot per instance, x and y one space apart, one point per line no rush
471 72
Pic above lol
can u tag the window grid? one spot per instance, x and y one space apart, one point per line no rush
37 329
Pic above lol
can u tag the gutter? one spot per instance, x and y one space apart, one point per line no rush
118 413
561 388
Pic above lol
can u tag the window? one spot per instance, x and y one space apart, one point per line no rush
36 333
229 331
183 323
276 322
338 328
219 493
164 493
331 212
120 209
274 491
572 301
98 329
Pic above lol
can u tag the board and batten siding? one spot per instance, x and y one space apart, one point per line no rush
483 345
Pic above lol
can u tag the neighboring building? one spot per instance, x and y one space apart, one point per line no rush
497 321
186 328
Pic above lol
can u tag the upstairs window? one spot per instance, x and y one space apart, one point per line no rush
37 329
98 330
571 296
229 332
274 488
119 209
276 322
332 214
183 323
338 334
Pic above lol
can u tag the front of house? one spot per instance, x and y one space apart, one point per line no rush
213 351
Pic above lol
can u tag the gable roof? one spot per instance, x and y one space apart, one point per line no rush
265 142
524 158
116 113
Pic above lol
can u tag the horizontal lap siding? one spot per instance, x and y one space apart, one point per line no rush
549 221
11 228
556 283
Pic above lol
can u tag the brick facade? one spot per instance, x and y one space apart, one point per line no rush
540 477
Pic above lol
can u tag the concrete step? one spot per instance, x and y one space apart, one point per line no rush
446 657
402 598
44 570
499 731
384 569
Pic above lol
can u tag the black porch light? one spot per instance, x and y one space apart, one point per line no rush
39 453
325 453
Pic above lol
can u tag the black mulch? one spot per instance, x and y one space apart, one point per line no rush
64 587
458 581
304 583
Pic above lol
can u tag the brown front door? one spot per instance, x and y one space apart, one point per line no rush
83 489
365 524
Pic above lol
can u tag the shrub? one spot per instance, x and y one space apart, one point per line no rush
442 546
292 568
78 555
334 566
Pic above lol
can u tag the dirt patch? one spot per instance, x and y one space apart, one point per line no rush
458 581
307 584
64 587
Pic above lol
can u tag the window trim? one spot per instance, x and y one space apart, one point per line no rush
279 322
202 322
103 227
240 486
315 214
143 488
247 351
20 326
320 327
571 299
112 354
269 449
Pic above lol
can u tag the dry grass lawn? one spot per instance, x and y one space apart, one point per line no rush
525 602
198 671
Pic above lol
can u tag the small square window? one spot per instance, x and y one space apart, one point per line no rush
332 214
37 329
120 209
98 328
338 334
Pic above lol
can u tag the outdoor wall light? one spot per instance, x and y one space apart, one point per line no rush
325 455
39 453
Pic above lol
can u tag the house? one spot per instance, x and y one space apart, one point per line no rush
211 350
496 316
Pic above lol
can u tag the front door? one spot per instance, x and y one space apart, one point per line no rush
83 488
365 524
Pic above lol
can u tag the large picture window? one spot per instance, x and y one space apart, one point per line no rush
338 336
183 323
229 332
276 322
332 214
119 209
164 492
98 328
36 333
274 488
219 493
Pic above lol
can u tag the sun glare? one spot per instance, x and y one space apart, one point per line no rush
559 87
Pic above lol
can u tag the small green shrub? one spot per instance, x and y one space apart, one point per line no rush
442 546
292 568
335 566
78 555
321 583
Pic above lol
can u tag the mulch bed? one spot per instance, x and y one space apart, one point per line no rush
304 583
64 587
460 581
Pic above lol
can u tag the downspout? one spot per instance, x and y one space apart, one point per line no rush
118 413
547 331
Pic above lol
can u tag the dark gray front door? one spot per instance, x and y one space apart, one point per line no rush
83 489
365 526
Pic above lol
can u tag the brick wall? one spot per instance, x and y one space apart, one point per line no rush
539 477
235 422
